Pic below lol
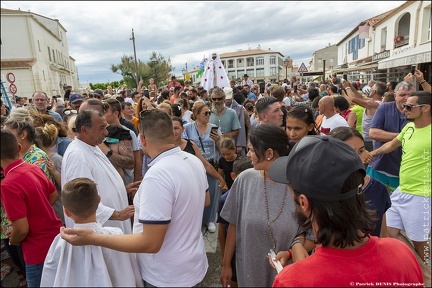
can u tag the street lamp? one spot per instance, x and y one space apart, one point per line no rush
154 61
287 63
136 63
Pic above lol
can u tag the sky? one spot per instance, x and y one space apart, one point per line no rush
99 32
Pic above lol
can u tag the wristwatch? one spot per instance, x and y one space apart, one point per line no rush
109 153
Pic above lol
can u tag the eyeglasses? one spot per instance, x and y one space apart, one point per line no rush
68 112
409 107
217 99
207 113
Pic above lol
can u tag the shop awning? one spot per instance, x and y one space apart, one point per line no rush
423 57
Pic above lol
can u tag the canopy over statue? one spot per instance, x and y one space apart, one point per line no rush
214 73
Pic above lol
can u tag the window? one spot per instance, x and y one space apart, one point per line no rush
383 39
230 63
53 55
231 74
260 72
272 60
240 63
361 43
319 60
250 72
240 73
330 67
331 60
260 61
272 71
249 62
426 26
402 28
49 53
349 47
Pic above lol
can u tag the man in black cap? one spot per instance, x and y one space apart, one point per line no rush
325 176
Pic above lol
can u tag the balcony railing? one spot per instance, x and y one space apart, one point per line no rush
401 43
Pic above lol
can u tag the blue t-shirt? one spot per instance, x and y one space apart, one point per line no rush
251 96
387 117
378 198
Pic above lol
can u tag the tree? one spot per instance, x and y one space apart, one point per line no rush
159 70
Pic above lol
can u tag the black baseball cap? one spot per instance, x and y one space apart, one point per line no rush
317 167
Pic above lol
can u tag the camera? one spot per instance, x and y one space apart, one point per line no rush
413 67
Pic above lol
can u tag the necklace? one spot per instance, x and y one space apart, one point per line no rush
201 134
267 210
15 167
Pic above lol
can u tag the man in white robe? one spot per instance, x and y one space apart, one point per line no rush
84 159
214 73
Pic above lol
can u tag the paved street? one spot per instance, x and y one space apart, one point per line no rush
211 279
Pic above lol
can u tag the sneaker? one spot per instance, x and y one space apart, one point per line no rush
211 227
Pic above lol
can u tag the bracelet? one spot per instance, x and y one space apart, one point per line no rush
290 253
297 241
347 88
421 83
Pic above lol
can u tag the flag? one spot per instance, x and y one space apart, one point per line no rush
363 31
201 71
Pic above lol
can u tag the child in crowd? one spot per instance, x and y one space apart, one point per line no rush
87 266
227 149
240 164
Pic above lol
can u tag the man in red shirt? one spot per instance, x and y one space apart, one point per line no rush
325 176
174 82
27 196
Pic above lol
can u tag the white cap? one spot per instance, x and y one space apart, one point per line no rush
228 92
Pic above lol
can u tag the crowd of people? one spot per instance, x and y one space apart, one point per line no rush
334 177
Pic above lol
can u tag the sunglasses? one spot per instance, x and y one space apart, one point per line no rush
68 112
409 107
207 113
217 99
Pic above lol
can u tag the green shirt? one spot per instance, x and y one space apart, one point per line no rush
358 110
415 170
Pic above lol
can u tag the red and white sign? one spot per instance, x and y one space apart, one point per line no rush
302 68
13 89
10 77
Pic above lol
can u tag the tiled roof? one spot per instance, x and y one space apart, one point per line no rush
11 11
18 63
247 53
376 19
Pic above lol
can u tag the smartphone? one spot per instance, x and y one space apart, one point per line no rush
214 129
413 67
295 88
345 77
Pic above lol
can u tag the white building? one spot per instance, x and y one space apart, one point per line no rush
35 49
355 53
402 39
260 65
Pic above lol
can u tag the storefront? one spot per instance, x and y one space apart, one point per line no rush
399 63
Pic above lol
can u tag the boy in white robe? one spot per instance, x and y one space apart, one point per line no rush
87 266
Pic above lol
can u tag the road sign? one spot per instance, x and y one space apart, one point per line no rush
302 68
10 77
13 89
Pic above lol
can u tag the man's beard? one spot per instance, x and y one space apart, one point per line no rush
218 107
301 219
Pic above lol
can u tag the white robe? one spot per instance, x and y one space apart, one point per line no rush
89 266
207 80
83 160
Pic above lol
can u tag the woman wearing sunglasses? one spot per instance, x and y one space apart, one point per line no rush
199 132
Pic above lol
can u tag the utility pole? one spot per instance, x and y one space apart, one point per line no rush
323 79
136 63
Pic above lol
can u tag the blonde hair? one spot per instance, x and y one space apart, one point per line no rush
71 123
228 143
165 105
46 135
197 108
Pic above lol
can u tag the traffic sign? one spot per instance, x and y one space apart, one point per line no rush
10 77
302 68
13 89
